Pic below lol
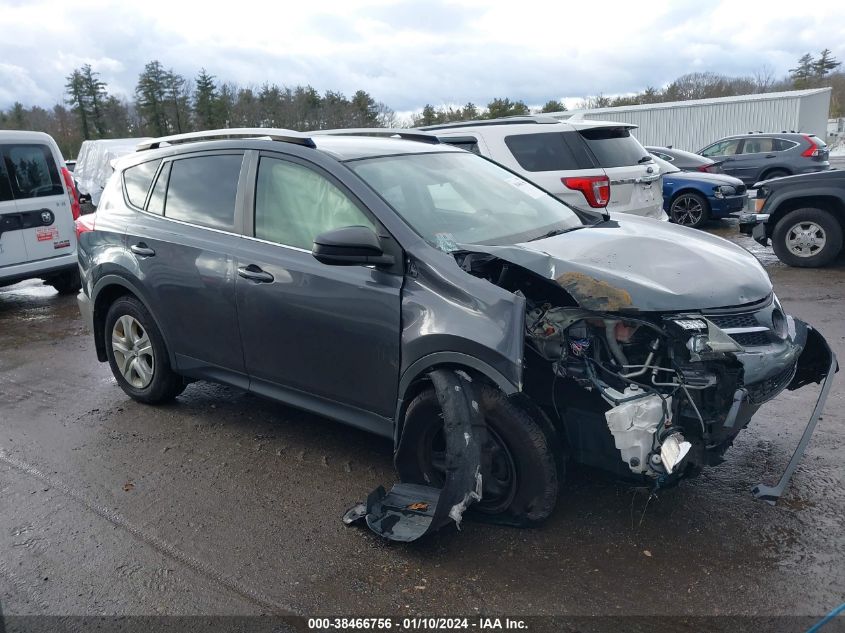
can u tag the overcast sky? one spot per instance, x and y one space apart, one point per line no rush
409 53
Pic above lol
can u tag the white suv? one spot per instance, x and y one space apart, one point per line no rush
38 206
594 163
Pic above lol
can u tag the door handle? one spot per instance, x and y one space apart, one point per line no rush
770 156
254 273
142 249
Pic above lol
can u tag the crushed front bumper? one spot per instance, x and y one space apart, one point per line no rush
816 363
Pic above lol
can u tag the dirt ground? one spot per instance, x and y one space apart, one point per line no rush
224 503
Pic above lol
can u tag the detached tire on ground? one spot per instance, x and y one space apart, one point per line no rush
66 283
689 209
519 471
807 238
138 355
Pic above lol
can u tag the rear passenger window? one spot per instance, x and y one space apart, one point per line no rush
137 180
32 171
202 190
5 185
781 144
758 145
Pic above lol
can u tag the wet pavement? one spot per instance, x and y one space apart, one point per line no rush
224 503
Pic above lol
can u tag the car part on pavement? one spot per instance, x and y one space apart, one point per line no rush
410 511
818 347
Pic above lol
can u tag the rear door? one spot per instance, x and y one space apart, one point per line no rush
634 177
41 200
183 248
12 248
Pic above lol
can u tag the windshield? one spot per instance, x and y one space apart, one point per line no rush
450 198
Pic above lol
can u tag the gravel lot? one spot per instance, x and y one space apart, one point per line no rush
223 503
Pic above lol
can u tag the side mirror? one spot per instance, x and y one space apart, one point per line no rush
350 246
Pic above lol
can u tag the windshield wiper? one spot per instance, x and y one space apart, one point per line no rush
644 159
556 232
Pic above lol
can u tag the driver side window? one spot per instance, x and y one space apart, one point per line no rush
723 148
294 204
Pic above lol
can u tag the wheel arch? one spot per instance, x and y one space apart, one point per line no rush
765 174
106 291
689 189
415 379
830 203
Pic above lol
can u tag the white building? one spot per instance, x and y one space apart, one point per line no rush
692 125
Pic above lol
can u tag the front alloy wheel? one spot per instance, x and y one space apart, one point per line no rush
133 351
689 209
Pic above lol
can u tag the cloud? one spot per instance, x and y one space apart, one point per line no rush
408 53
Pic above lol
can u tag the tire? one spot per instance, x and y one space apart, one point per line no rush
689 209
775 173
520 486
146 376
807 238
66 283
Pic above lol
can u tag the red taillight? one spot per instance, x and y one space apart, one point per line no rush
813 150
596 189
71 193
84 223
706 168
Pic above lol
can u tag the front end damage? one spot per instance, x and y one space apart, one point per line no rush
653 395
638 376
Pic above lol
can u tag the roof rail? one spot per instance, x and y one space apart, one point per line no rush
505 120
406 134
274 134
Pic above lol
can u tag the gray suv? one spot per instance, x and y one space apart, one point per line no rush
759 156
426 294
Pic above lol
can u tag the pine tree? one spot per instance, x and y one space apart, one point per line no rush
803 71
825 64
95 95
78 100
206 102
151 95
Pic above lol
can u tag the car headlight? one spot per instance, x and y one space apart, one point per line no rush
725 190
779 324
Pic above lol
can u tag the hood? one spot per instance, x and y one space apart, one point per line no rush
703 176
637 264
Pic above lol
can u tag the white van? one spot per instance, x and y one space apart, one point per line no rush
597 164
38 206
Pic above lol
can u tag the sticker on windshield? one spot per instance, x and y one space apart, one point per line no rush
445 242
524 186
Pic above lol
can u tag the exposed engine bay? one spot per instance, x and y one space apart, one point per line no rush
650 397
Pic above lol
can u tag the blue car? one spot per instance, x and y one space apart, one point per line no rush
692 198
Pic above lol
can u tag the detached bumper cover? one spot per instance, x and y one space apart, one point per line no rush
817 363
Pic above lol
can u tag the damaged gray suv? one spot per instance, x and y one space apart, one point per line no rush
426 294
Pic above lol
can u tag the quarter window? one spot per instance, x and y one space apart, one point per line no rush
32 171
137 180
294 204
202 190
781 144
156 203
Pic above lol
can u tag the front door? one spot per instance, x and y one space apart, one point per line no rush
310 329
